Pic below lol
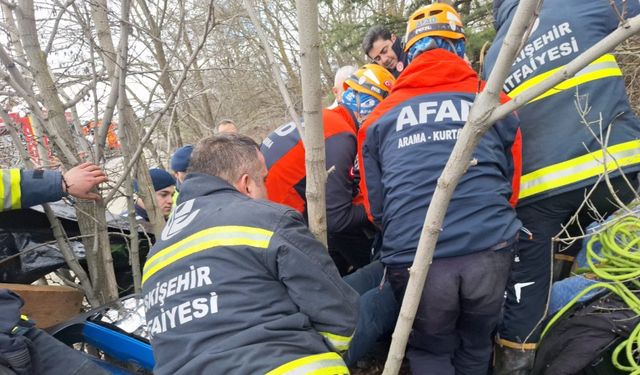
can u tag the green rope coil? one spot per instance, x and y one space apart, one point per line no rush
618 266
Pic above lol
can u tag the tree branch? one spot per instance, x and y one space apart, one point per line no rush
209 24
275 72
58 232
56 24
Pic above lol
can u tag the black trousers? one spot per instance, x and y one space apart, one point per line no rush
350 250
458 312
530 279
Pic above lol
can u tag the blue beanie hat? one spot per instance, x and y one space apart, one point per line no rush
160 179
180 158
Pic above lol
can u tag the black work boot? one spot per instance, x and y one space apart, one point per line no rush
508 361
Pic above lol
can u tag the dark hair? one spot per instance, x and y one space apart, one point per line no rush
227 156
373 34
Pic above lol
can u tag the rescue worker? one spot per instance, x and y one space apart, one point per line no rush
384 48
337 90
562 152
239 281
405 144
180 162
164 186
27 188
349 232
226 126
25 349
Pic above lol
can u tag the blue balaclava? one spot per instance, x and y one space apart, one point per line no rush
432 42
367 102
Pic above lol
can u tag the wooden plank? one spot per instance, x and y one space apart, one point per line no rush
48 305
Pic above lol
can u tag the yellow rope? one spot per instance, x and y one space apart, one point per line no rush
618 265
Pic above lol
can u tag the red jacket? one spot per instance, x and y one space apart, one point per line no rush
286 183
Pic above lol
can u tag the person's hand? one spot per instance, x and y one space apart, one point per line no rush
81 179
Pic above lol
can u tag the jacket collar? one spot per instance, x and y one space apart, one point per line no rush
199 184
502 10
349 115
402 57
141 212
434 68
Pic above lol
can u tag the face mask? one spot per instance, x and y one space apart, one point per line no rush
359 103
367 104
428 43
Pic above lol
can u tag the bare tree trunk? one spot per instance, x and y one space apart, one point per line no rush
165 78
12 31
169 101
275 71
134 255
92 220
284 57
91 217
58 132
312 112
127 129
200 85
484 113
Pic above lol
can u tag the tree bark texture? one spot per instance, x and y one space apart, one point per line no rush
312 113
91 218
129 135
134 254
58 131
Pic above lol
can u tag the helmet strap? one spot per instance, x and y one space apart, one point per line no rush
358 116
453 47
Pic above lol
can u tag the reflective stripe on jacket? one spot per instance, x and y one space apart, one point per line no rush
405 144
286 184
564 129
240 286
317 364
26 188
21 188
10 189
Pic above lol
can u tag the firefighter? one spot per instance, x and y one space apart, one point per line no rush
349 232
405 144
563 132
239 281
26 188
25 349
